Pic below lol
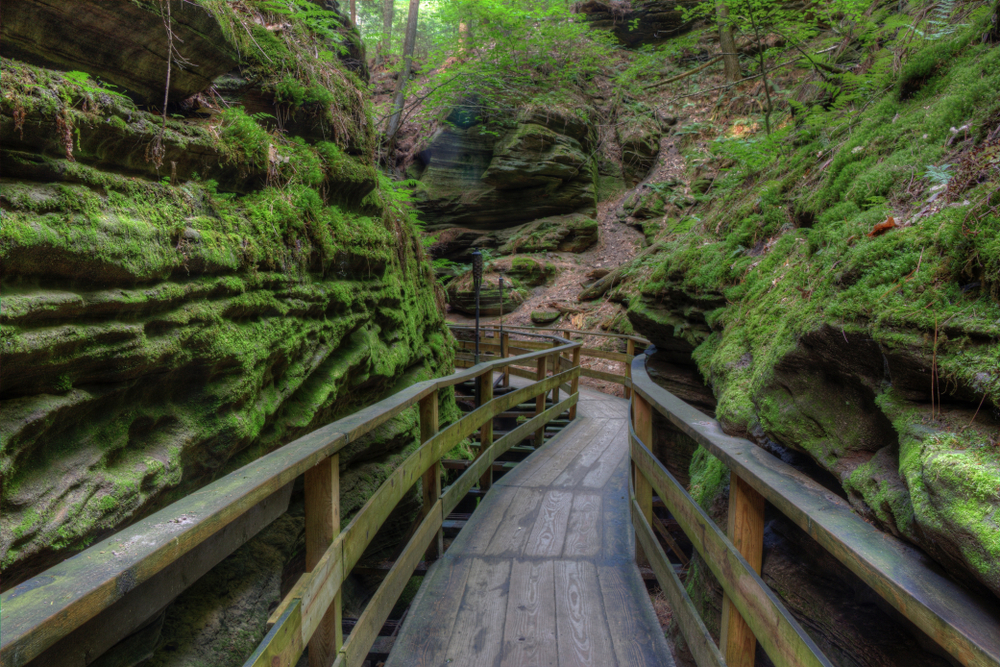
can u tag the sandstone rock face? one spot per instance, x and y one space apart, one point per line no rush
641 21
639 137
180 300
538 168
564 233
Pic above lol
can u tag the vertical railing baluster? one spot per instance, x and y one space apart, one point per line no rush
486 430
642 414
322 506
431 481
746 532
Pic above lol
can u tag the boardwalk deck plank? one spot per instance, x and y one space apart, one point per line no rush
543 574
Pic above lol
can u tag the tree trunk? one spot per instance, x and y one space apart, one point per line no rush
388 11
730 59
463 39
354 13
404 76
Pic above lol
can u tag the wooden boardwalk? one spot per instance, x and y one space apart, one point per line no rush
544 573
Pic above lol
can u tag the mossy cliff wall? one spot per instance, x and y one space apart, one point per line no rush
181 297
843 305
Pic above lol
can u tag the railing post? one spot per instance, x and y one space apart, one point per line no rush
574 384
322 506
630 351
505 352
556 368
746 532
486 430
540 402
431 481
642 414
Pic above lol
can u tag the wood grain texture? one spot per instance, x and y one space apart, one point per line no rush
746 532
642 418
549 532
478 633
583 636
781 636
322 506
699 640
961 622
634 644
516 526
583 534
529 638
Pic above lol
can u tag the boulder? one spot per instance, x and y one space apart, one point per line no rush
462 295
544 317
563 233
530 271
639 22
639 137
538 168
124 43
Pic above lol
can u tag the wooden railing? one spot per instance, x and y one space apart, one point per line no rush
47 608
504 348
963 624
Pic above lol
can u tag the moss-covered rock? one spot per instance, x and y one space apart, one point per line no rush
462 295
565 233
181 298
530 271
543 317
639 137
538 166
872 355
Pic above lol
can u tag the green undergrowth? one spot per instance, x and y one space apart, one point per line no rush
789 243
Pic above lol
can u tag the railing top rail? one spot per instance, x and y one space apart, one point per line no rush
38 612
520 329
963 623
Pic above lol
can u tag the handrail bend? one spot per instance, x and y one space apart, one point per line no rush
962 623
39 612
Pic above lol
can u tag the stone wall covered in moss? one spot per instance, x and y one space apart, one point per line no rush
842 301
184 290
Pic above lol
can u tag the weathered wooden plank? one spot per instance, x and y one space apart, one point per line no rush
486 431
478 632
669 539
629 356
282 645
322 589
365 631
424 637
529 637
637 339
700 642
604 354
642 415
583 534
593 459
559 459
583 638
514 529
487 521
430 483
961 622
782 638
461 486
549 532
35 614
601 375
322 506
574 386
746 532
634 635
540 400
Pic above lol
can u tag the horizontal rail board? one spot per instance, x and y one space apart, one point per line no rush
520 329
282 645
699 641
607 377
780 635
964 624
42 610
604 354
356 648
